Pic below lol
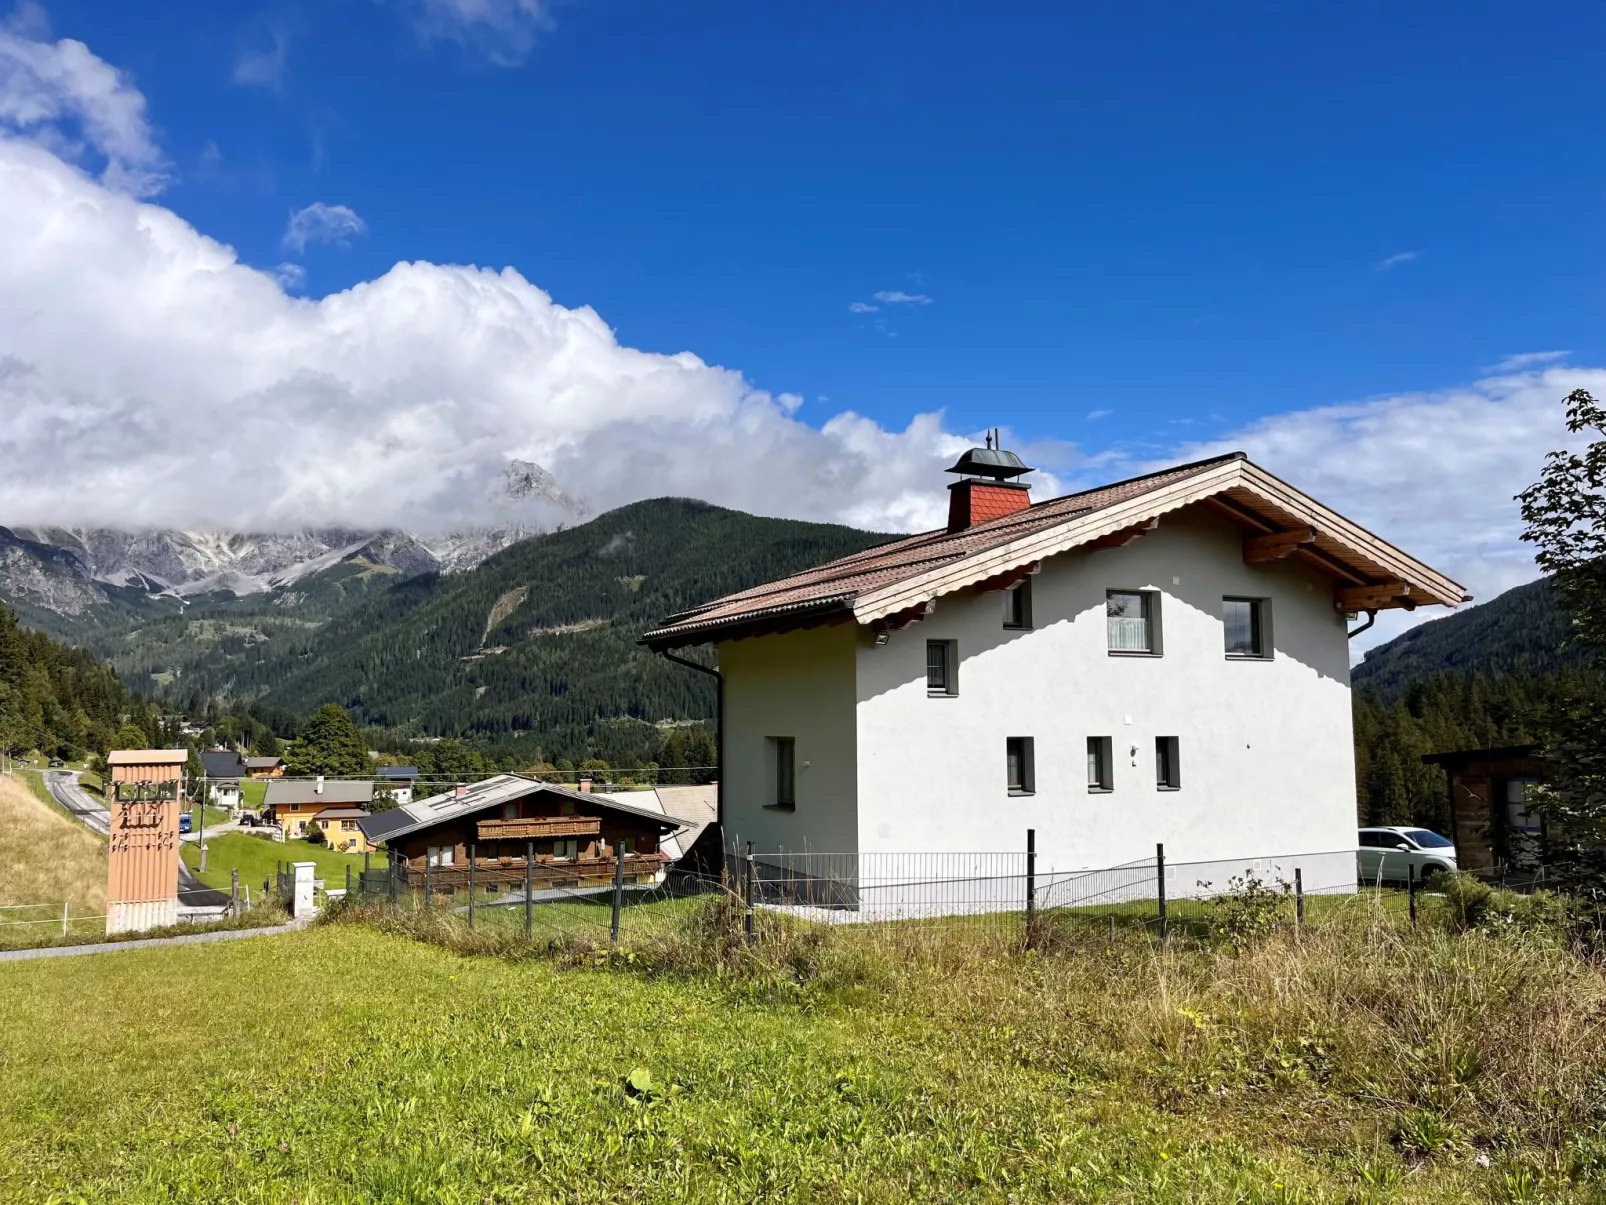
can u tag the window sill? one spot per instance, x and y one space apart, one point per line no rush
1248 657
1020 794
1101 790
780 807
1017 627
1130 653
942 694
1158 787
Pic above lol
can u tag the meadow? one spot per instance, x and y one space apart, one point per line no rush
47 860
257 858
391 1055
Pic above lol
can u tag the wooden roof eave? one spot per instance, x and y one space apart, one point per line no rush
1427 585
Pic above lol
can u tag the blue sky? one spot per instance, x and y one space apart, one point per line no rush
1174 212
792 258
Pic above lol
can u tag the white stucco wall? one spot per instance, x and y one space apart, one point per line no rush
801 685
1266 749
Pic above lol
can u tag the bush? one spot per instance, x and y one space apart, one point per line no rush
314 835
1248 911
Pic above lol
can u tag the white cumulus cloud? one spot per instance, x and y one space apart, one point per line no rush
320 223
899 297
503 31
61 96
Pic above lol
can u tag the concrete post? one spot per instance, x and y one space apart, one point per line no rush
301 901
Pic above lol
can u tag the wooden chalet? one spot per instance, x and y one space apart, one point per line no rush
509 827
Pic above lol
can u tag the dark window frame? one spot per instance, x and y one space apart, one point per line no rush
1259 627
950 686
783 768
1018 606
1151 621
1019 752
1167 763
1101 754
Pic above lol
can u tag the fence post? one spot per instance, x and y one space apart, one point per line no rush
529 886
618 890
1299 898
428 897
1410 891
348 880
1031 880
1159 878
234 890
391 856
471 848
747 894
64 905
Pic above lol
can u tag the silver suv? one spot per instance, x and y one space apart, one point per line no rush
1390 855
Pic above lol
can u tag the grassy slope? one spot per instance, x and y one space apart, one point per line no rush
45 858
1301 1071
255 857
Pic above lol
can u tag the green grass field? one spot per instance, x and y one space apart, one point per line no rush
256 859
1356 1062
252 792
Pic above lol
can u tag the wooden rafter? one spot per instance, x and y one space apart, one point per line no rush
1374 597
1274 546
1009 579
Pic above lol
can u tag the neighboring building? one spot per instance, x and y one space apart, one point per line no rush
1162 660
342 829
694 808
575 836
1493 828
296 803
397 781
264 767
224 770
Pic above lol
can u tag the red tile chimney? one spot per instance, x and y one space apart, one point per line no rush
986 491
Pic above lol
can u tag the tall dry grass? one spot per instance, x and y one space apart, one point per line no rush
46 858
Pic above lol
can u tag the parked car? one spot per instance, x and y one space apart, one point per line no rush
186 822
1391 854
56 763
248 819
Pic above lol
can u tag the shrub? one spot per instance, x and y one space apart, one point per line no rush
314 835
1248 911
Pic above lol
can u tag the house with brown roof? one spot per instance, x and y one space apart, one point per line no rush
1163 659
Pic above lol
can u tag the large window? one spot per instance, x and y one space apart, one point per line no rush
783 767
1018 605
1244 622
439 855
1133 620
1019 773
566 850
1167 763
1100 764
942 667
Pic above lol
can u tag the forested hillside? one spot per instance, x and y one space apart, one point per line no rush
53 698
536 644
1519 632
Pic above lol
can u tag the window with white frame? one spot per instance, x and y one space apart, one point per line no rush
942 667
1019 773
566 850
1100 763
1132 619
439 855
1243 622
1167 763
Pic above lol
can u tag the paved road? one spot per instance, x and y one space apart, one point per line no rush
63 787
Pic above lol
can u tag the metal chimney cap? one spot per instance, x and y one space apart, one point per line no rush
990 462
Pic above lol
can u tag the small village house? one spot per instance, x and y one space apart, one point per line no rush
397 782
1495 830
332 805
224 770
509 825
1161 660
264 767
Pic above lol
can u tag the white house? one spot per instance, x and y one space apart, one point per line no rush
1160 661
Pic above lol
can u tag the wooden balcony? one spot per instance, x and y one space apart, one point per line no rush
536 828
510 872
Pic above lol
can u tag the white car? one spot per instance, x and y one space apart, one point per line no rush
1390 854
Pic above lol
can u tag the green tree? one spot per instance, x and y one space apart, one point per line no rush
266 744
129 736
329 744
1564 514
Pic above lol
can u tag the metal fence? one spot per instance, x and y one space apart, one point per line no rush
888 895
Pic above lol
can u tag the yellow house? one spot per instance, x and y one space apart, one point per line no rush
332 806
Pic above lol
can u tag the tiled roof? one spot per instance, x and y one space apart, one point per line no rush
293 792
834 586
893 578
489 792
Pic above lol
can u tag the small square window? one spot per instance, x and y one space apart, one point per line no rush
1167 763
1019 773
942 667
1132 618
566 851
439 855
627 847
1243 622
1100 764
1018 605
